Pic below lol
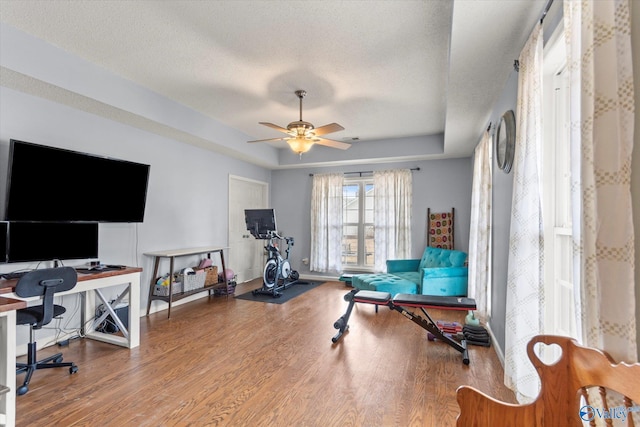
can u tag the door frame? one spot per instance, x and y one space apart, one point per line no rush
265 194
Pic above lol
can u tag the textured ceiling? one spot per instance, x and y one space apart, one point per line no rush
382 69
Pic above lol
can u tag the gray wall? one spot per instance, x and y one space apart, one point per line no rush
439 185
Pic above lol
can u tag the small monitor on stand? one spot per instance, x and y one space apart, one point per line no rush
261 223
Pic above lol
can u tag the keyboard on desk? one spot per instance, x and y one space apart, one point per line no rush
14 275
99 269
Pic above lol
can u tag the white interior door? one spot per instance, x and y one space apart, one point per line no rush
245 252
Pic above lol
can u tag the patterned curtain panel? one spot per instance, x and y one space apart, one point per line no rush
525 288
440 229
392 216
480 232
602 125
326 223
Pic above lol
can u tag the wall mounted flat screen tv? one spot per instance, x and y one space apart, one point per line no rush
46 241
53 184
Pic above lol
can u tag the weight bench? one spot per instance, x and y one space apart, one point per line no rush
400 301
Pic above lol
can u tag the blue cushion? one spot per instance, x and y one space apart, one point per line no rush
395 265
445 286
384 283
412 276
437 257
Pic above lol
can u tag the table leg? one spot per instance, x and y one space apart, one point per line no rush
152 284
8 367
224 273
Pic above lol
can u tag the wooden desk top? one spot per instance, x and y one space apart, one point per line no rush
8 286
8 304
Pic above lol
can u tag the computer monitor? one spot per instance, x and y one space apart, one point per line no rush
260 222
48 241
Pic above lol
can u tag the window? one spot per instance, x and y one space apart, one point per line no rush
357 222
558 251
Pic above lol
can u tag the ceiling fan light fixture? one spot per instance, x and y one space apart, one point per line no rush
300 145
301 135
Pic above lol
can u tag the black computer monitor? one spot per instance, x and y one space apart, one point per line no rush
48 241
260 222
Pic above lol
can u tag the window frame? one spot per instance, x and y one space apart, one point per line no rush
361 225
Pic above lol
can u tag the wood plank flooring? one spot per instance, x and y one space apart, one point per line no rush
220 362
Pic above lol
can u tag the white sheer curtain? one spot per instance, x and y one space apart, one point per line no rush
392 216
326 223
524 275
602 125
480 232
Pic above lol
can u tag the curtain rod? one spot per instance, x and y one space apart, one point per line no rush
546 10
516 63
361 172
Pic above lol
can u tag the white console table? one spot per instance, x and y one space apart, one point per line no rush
171 255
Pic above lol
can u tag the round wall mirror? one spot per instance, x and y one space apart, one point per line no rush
505 141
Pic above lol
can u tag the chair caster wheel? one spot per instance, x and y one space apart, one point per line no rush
58 359
73 369
22 390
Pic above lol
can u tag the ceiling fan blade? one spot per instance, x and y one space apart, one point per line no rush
276 127
331 143
330 128
268 139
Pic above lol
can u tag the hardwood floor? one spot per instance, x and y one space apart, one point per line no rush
221 361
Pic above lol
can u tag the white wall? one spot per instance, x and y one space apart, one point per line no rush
187 194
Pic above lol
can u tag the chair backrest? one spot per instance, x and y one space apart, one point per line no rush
584 384
45 283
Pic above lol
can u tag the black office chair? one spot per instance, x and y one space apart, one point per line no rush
42 283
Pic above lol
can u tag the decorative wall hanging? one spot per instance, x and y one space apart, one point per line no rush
440 229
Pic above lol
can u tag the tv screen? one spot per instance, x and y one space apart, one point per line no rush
45 241
53 184
260 222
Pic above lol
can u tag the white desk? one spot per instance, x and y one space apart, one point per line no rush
87 284
8 309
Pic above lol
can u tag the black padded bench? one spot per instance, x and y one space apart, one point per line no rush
399 302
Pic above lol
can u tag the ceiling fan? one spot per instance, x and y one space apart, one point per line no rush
303 135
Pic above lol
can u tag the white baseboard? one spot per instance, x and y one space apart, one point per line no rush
496 346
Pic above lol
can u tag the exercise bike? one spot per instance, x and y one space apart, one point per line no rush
277 274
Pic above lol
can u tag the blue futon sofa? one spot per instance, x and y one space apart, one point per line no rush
439 272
